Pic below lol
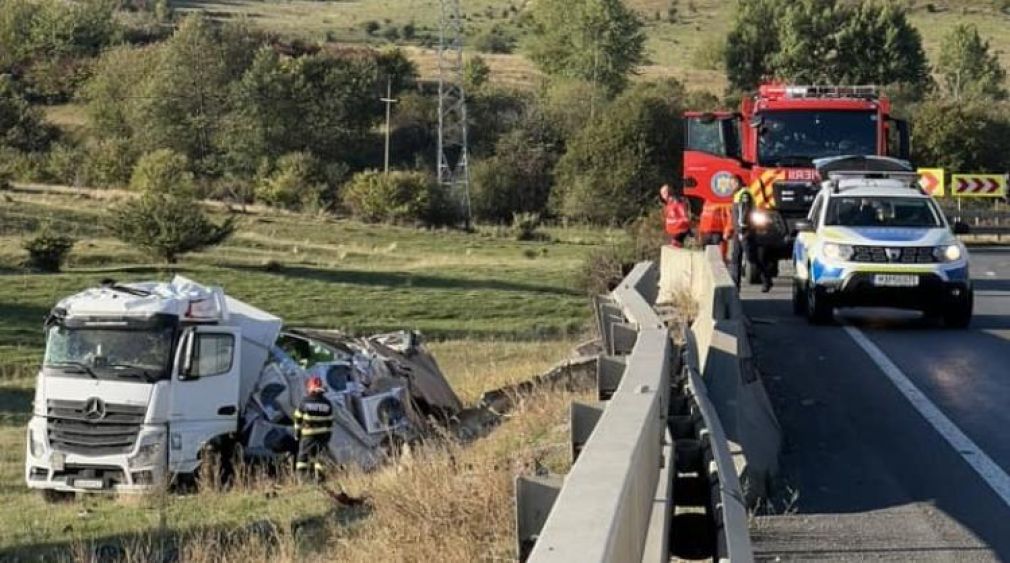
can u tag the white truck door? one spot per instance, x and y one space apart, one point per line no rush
205 388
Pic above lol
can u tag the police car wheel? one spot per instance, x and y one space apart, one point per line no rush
799 298
819 310
959 314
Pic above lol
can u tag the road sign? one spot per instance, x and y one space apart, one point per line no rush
978 185
932 181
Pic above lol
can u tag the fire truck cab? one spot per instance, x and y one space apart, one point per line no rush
769 147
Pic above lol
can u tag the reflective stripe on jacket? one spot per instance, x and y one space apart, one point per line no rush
314 416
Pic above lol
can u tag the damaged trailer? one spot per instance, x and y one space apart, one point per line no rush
141 381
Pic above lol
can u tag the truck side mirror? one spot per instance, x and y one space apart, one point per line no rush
804 226
961 228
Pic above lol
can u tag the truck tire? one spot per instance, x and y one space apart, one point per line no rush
799 298
56 497
819 309
959 314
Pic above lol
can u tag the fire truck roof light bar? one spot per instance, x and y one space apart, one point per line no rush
866 92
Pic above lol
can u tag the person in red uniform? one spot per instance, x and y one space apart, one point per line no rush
675 215
715 217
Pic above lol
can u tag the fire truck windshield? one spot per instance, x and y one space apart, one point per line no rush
795 138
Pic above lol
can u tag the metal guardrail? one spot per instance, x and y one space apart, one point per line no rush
614 504
650 459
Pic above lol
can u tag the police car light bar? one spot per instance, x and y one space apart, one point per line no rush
910 179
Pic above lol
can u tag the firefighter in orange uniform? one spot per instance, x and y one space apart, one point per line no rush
715 217
675 215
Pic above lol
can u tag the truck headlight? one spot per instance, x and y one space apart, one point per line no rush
760 218
35 446
837 251
948 252
147 454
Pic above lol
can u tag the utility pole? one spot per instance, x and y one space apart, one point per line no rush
389 101
453 165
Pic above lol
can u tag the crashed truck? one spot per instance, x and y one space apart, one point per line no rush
141 382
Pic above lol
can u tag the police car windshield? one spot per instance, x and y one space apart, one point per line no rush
882 212
795 138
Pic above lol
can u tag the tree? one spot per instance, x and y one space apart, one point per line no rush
878 45
751 43
163 172
823 41
612 168
518 177
476 73
962 136
967 67
22 126
600 41
167 225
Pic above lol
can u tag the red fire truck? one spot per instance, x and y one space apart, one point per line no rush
769 147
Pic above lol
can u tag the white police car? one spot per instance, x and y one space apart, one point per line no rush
873 238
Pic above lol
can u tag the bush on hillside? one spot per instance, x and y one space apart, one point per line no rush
47 250
164 172
168 226
495 40
399 197
293 183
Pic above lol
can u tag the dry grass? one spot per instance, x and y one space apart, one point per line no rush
440 502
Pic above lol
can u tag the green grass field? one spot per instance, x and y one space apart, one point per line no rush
495 310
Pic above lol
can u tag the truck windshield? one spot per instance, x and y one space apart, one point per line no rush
110 352
882 212
795 138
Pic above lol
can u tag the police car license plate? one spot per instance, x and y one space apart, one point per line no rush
895 280
89 483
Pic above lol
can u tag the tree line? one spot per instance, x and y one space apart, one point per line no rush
198 108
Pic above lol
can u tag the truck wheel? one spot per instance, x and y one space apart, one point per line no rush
819 309
959 314
56 497
799 298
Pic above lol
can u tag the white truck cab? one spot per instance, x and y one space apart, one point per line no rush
137 379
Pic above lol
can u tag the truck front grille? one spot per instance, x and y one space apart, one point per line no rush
906 255
76 427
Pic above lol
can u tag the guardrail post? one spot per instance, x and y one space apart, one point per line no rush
535 498
609 371
583 418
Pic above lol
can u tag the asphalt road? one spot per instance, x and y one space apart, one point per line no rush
896 431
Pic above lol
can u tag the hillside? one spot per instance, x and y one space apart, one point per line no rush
685 48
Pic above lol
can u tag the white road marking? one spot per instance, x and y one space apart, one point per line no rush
973 455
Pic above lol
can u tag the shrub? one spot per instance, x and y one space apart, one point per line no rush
399 197
409 31
391 33
165 172
294 183
167 225
525 226
495 40
47 250
371 26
